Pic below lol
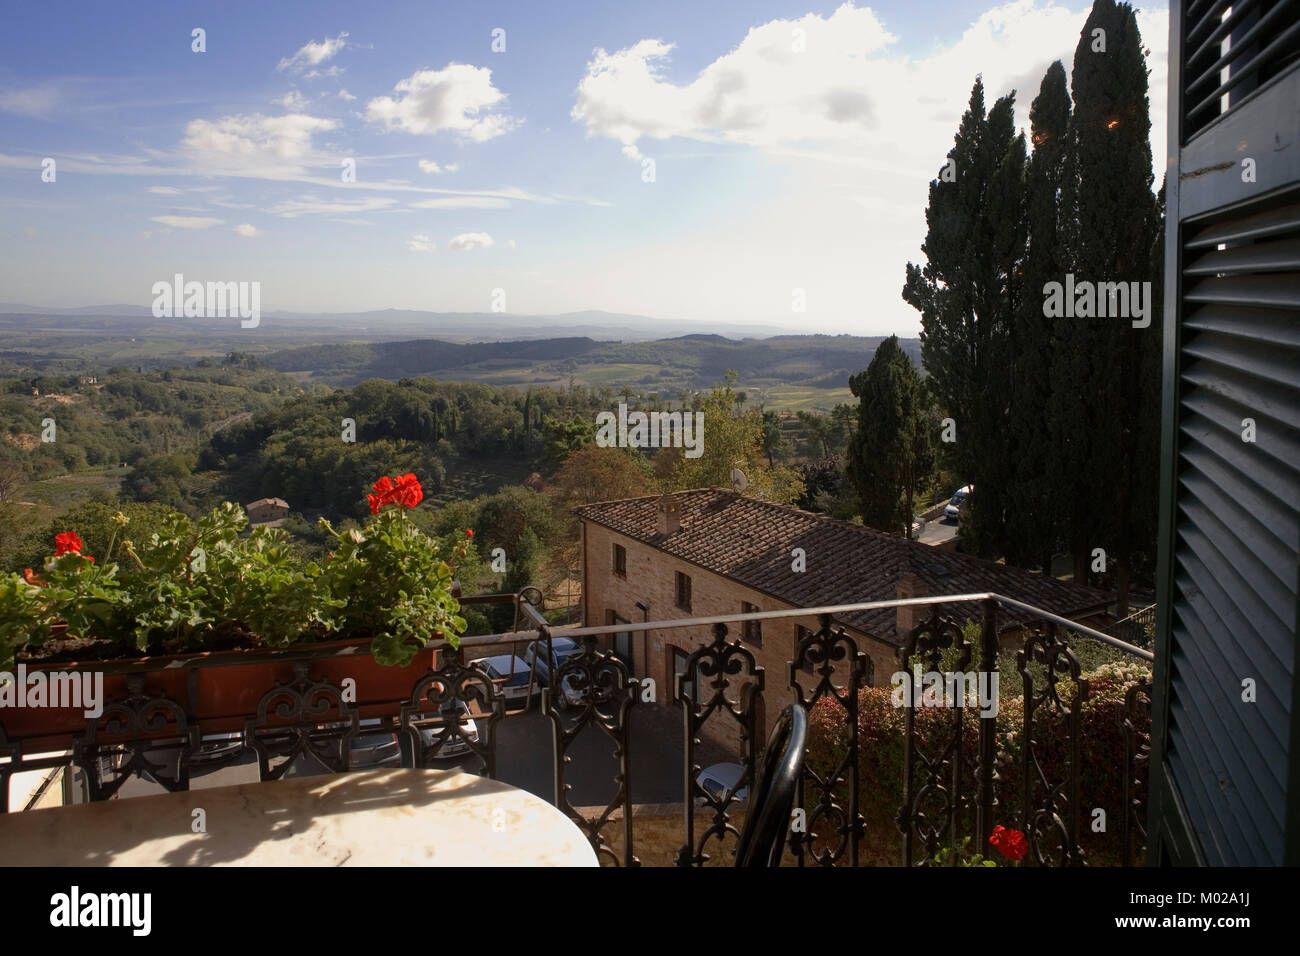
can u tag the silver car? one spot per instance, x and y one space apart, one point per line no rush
453 745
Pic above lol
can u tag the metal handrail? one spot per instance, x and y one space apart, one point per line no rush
542 628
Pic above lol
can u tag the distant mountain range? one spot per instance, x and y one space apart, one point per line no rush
388 324
342 349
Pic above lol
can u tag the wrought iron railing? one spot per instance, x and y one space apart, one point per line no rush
955 774
1136 628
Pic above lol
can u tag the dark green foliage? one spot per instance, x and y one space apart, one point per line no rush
1057 418
882 742
889 455
1107 387
967 293
1033 523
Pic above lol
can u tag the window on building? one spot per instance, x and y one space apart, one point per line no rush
620 560
751 631
683 591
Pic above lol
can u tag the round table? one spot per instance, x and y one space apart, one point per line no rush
363 818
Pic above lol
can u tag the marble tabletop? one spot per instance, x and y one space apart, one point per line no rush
363 818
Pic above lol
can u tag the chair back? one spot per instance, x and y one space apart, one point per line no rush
767 824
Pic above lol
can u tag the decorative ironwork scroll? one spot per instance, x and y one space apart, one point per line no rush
442 692
291 721
721 664
1136 724
821 650
137 735
931 815
594 689
1051 802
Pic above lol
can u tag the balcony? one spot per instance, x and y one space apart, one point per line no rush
1043 726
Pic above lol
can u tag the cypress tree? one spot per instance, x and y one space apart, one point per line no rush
1033 527
965 293
1104 389
889 454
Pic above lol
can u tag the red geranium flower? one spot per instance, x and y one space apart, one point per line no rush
405 491
68 541
409 490
1010 843
469 532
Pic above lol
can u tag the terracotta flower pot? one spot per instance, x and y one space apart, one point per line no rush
218 689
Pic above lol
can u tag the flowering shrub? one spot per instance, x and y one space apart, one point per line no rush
881 746
214 583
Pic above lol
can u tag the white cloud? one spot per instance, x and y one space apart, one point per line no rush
345 95
313 54
848 95
855 128
305 205
510 243
247 230
459 98
164 190
293 101
419 243
32 101
463 202
270 146
429 166
187 222
761 93
470 240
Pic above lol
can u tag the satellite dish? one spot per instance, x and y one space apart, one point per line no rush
738 479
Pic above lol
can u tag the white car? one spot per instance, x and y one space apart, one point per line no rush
719 779
953 509
515 676
453 745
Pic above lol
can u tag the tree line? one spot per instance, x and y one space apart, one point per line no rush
1054 420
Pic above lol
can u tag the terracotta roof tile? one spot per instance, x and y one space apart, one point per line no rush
750 541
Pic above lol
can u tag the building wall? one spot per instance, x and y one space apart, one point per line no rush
259 513
651 580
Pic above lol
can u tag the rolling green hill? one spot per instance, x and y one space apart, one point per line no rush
798 366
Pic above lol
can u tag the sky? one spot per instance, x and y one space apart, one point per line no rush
718 163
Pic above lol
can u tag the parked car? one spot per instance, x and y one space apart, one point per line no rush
570 696
375 747
455 745
215 747
719 779
372 746
562 648
953 509
516 676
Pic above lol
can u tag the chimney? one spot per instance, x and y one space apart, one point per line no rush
670 515
909 586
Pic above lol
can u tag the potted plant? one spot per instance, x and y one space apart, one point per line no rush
234 608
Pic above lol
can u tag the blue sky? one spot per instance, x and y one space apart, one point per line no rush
791 145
